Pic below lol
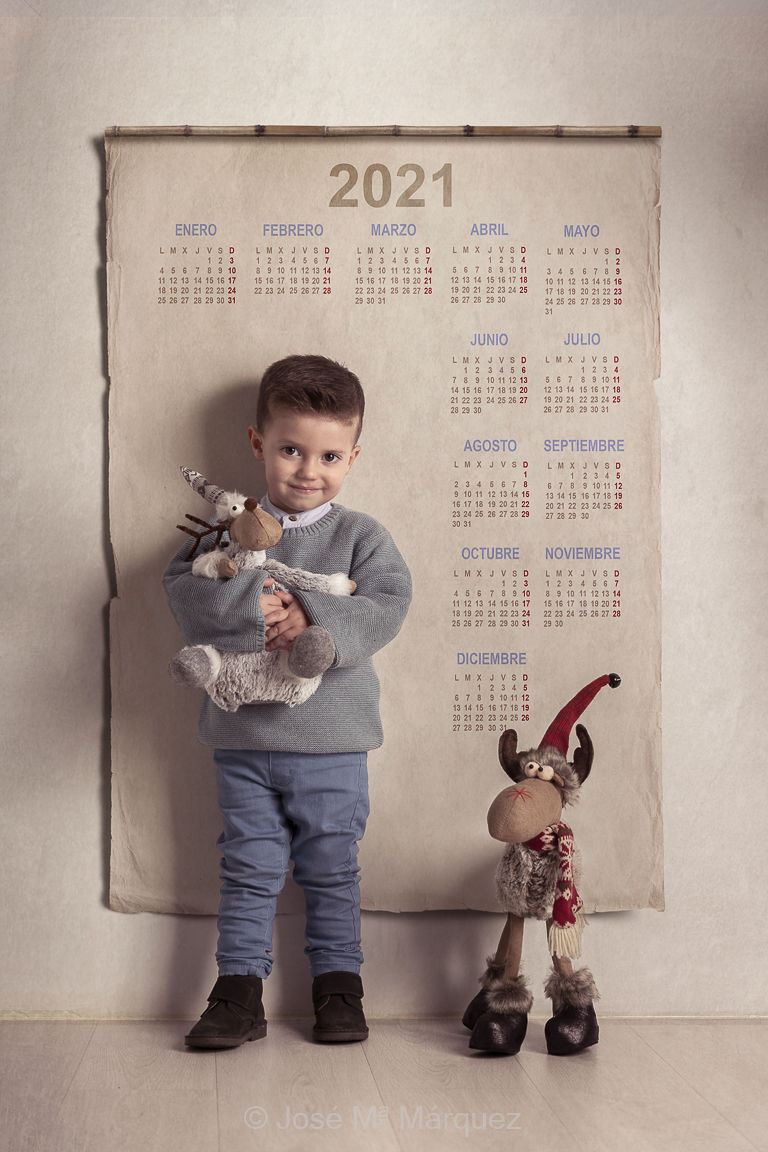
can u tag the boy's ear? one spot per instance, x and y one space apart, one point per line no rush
354 454
256 442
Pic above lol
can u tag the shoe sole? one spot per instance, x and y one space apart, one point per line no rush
338 1037
496 1049
220 1042
570 1051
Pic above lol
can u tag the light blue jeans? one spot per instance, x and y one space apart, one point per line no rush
282 806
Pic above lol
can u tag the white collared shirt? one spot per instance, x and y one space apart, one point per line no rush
294 519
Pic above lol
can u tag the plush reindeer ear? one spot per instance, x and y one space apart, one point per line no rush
508 753
583 755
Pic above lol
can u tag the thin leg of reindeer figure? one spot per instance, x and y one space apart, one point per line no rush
502 965
510 948
562 965
498 1016
493 973
574 1024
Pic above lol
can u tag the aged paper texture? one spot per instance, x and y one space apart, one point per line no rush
499 300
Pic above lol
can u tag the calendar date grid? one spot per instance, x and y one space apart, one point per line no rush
204 276
591 279
490 701
484 384
501 491
293 270
488 275
497 599
573 596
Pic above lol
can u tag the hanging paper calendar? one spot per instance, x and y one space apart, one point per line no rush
496 291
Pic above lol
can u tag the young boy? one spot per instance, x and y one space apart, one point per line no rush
292 782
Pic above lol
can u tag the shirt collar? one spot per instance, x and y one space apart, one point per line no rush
294 519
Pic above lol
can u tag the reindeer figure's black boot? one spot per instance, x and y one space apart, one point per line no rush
479 1004
502 1027
573 1026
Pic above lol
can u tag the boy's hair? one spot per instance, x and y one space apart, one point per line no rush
311 384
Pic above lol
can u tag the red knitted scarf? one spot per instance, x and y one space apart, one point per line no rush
559 838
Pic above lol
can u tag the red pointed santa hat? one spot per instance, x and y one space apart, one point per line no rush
559 732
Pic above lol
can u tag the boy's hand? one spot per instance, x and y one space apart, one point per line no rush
272 607
282 633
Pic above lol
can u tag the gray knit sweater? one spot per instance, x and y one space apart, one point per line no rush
343 715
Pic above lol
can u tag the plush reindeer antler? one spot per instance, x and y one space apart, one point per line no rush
508 753
584 754
228 505
205 530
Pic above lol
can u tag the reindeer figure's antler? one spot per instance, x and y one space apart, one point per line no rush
205 530
224 502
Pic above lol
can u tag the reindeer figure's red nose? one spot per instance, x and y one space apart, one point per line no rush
523 810
518 793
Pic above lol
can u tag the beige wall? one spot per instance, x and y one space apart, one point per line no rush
697 67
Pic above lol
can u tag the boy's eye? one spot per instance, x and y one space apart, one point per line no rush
331 457
289 450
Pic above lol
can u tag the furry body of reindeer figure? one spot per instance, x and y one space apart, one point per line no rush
536 878
235 678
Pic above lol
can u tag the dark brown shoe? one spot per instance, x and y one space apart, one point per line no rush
571 1030
573 1026
234 1014
498 1032
339 1013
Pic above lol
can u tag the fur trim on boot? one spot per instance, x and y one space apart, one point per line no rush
508 996
502 1026
479 1003
576 991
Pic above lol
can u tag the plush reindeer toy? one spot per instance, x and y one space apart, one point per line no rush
232 679
535 879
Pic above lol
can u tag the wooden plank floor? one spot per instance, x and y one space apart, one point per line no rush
414 1086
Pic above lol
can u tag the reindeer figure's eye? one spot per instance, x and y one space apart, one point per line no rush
541 771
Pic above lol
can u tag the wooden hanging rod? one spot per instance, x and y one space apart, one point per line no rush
629 131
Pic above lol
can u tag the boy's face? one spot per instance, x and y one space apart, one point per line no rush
306 457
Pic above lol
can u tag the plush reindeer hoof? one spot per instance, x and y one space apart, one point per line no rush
571 1030
475 1009
497 1032
312 653
194 666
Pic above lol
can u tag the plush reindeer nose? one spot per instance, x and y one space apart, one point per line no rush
524 810
254 528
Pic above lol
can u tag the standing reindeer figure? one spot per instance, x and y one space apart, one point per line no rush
535 878
235 678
